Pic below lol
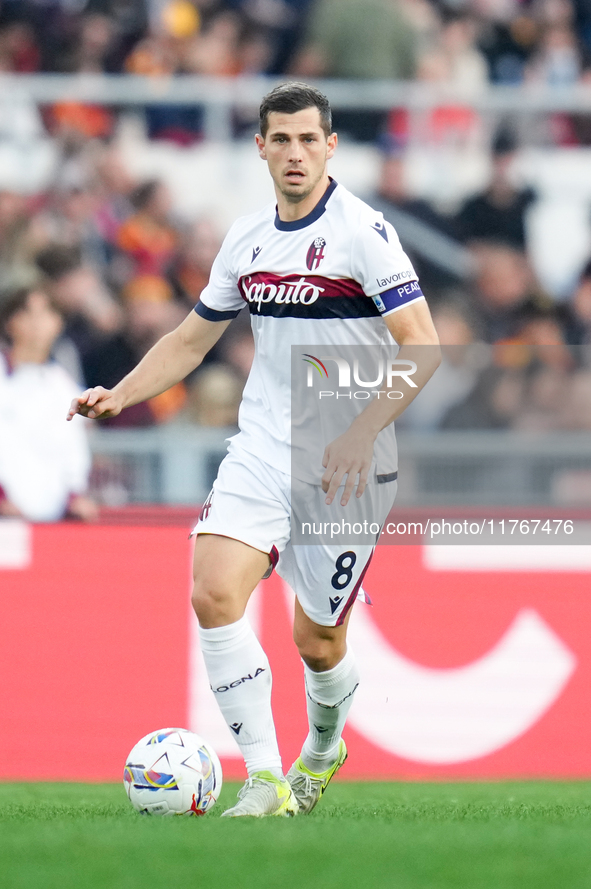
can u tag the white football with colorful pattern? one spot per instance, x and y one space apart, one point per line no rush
172 772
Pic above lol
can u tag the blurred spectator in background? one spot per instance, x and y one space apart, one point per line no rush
559 56
546 392
278 25
91 46
17 240
150 311
198 249
22 133
113 189
463 357
236 347
19 49
524 386
215 40
448 59
358 39
540 329
69 219
508 34
128 20
91 313
163 51
557 61
215 50
499 213
213 397
44 464
147 238
576 406
493 403
539 353
526 389
426 235
89 52
456 322
452 57
505 290
576 314
465 63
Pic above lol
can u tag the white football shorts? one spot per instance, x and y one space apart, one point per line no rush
251 501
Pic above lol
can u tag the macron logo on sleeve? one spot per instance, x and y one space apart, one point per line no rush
380 228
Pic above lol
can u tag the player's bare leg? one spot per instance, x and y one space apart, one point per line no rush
226 572
321 648
331 679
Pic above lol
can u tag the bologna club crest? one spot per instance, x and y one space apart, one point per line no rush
315 253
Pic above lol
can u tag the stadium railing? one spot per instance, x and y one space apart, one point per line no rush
220 97
172 465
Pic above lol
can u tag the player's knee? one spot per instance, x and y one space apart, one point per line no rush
213 605
199 600
320 653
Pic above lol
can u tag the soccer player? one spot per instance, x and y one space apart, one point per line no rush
319 267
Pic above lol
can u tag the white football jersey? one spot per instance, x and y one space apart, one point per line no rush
323 280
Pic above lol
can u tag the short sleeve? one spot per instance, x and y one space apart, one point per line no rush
221 299
382 267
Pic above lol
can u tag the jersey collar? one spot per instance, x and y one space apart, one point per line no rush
312 216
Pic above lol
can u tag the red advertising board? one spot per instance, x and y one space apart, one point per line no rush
471 667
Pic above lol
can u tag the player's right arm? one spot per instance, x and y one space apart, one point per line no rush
168 362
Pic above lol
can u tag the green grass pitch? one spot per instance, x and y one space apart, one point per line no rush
530 835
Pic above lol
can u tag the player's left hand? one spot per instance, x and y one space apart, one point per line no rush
348 455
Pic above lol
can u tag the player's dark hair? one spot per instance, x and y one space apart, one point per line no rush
287 98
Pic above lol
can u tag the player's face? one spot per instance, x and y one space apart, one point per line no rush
296 150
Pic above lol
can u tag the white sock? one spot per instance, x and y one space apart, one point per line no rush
329 696
240 676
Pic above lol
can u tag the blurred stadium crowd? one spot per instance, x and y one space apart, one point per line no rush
122 270
499 41
98 266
